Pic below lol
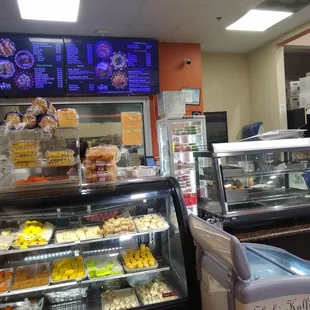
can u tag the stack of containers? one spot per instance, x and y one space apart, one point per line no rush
304 95
171 104
101 163
292 95
25 151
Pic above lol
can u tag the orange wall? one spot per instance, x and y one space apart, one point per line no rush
174 74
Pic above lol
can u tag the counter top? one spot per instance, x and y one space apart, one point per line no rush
270 233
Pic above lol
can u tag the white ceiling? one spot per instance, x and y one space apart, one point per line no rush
192 21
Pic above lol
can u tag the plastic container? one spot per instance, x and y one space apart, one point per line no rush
106 153
140 171
66 295
6 240
24 151
25 158
62 162
25 144
39 106
26 164
67 118
6 276
59 154
30 276
12 119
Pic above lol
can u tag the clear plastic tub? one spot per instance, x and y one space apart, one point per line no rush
6 276
59 154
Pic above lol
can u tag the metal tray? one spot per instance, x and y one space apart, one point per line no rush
69 280
237 194
102 257
120 291
164 228
35 268
10 281
47 235
10 238
122 234
74 229
228 171
170 290
138 269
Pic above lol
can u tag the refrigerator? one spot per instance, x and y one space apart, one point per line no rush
178 139
236 276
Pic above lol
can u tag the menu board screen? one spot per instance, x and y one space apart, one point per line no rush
31 66
111 66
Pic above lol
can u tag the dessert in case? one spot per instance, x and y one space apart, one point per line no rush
68 269
120 299
154 292
103 266
78 234
31 276
5 280
67 118
138 259
150 222
118 226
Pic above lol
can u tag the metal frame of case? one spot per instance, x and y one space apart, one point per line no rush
291 200
75 205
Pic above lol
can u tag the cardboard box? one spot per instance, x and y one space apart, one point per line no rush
293 103
304 100
171 103
292 89
304 84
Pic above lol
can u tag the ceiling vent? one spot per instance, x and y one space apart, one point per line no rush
284 5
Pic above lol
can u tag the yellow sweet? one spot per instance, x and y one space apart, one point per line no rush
24 247
80 274
69 272
57 278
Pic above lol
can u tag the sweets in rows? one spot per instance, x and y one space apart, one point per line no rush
68 269
142 258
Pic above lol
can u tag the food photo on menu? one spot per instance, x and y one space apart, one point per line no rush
30 66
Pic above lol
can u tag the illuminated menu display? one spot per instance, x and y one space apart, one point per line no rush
31 66
111 66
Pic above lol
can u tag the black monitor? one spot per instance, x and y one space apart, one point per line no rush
31 66
216 123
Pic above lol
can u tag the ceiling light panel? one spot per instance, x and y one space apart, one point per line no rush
49 10
258 20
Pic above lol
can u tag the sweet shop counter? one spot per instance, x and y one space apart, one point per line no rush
91 247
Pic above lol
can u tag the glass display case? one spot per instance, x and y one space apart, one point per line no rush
122 246
247 276
178 139
31 157
254 181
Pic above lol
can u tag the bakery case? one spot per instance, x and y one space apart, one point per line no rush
243 183
119 246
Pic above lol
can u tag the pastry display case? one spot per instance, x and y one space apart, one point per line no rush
178 139
256 181
122 246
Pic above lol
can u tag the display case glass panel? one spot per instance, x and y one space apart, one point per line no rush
98 248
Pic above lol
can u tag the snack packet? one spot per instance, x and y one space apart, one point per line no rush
12 119
47 122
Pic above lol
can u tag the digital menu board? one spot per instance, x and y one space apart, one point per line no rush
97 66
31 66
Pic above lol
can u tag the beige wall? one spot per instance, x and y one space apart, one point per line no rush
99 129
226 88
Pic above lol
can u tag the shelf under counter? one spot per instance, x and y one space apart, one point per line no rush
77 243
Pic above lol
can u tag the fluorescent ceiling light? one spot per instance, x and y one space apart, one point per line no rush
258 20
49 10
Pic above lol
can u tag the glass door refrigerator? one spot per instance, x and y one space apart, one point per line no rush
178 139
236 276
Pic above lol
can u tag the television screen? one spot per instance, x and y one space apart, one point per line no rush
111 66
31 66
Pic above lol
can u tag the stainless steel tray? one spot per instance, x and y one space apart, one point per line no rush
131 290
163 228
35 268
69 280
9 239
74 229
102 257
10 281
138 269
237 194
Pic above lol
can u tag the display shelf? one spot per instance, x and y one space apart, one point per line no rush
85 282
83 242
188 134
